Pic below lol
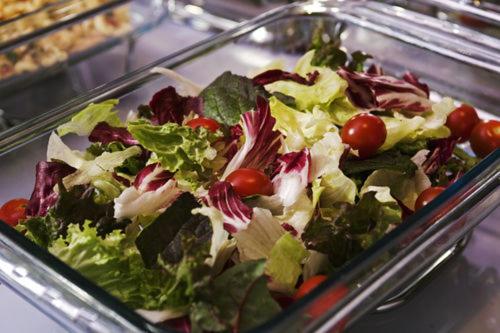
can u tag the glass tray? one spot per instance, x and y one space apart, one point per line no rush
385 268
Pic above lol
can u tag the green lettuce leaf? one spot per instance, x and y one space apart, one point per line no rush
87 170
284 265
326 89
118 268
302 129
228 97
236 300
430 125
341 110
84 121
176 147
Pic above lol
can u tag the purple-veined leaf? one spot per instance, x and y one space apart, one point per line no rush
151 178
236 214
235 133
375 69
441 151
292 174
261 141
153 190
105 133
379 92
168 106
413 79
48 174
274 75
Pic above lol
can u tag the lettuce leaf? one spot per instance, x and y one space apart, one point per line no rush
327 87
284 265
84 121
113 265
301 129
176 147
87 170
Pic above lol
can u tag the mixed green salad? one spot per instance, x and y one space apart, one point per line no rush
214 211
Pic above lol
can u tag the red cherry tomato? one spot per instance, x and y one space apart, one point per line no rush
461 122
247 182
13 211
364 132
485 137
325 301
208 123
308 285
427 196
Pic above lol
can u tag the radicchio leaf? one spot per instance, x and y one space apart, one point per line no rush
151 178
48 174
153 189
413 79
261 141
375 69
168 106
105 134
235 133
379 92
236 214
441 152
292 175
274 75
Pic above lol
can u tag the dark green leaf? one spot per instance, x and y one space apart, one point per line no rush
352 228
411 148
229 96
38 230
160 233
329 55
144 111
237 299
285 99
390 160
357 61
77 205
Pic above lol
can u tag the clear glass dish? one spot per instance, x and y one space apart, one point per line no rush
465 66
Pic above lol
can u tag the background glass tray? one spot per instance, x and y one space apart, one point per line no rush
51 80
389 265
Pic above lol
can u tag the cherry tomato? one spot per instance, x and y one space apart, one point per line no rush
427 196
485 137
247 182
364 132
324 302
308 285
208 123
461 122
13 211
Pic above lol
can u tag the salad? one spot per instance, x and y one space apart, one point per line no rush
213 210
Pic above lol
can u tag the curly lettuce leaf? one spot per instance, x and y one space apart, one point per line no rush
87 170
176 147
301 129
113 265
327 87
84 121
